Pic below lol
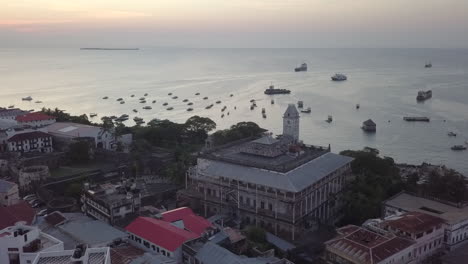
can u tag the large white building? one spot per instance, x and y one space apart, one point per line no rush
280 184
455 217
34 141
67 133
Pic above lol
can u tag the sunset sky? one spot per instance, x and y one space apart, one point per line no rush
234 23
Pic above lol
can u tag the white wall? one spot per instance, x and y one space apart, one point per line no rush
10 197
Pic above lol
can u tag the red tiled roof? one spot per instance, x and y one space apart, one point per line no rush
21 211
414 222
36 116
192 222
125 255
159 232
366 246
28 136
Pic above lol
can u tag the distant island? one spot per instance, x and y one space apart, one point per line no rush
109 48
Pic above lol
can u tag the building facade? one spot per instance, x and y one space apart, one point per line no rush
66 133
280 184
9 194
35 141
29 176
35 120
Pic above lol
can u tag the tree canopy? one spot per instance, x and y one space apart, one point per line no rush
236 132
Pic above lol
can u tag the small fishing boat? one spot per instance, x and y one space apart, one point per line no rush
190 103
263 110
132 95
170 108
197 94
28 98
142 98
135 111
222 115
154 101
357 106
145 94
272 101
231 95
224 108
300 104
339 77
175 97
218 102
227 113
189 109
205 98
105 97
252 100
458 147
165 104
142 102
209 106
329 119
147 107
119 99
185 100
136 118
252 107
307 111
92 114
264 115
122 102
169 94
38 102
451 134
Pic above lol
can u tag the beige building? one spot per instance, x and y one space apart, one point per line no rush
280 184
9 194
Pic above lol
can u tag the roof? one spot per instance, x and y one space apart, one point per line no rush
411 203
280 243
21 211
5 186
364 246
266 140
11 112
125 254
28 136
414 222
294 180
457 256
190 220
90 256
92 232
369 122
159 232
73 130
55 218
291 111
210 253
36 116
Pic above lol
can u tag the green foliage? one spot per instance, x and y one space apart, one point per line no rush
197 128
61 116
236 132
376 179
79 152
450 186
256 234
73 189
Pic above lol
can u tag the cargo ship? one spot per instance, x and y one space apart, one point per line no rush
301 68
273 90
424 95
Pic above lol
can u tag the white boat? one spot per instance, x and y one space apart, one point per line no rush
28 98
339 77
307 111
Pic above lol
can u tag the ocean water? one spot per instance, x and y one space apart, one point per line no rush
383 81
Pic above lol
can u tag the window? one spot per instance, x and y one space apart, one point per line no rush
262 205
248 202
270 207
163 252
25 237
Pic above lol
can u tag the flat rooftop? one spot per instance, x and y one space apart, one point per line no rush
277 156
408 203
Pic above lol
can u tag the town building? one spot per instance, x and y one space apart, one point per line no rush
425 230
66 133
455 216
30 176
20 211
357 245
280 184
35 120
166 235
11 113
21 244
80 255
35 141
9 194
196 251
369 126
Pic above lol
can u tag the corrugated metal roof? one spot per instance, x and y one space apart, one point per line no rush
294 180
211 253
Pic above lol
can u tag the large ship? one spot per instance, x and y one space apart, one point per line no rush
339 77
303 67
424 95
273 90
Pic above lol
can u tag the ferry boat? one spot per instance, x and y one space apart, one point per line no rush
307 111
147 107
273 90
458 147
28 98
301 68
424 95
339 77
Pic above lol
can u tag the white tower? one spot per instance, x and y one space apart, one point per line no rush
291 122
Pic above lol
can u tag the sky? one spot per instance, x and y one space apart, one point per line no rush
234 23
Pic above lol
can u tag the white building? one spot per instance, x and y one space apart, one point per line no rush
11 114
9 194
21 244
35 141
455 217
80 255
69 132
35 120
